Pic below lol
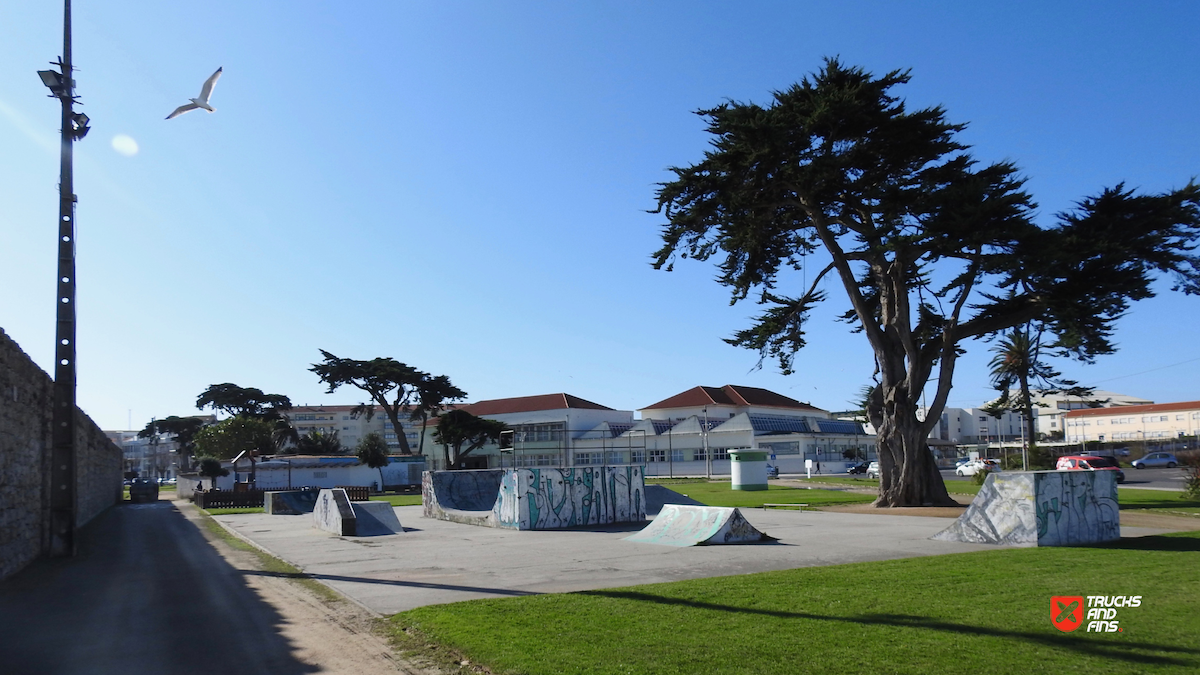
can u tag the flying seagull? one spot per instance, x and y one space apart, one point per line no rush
202 100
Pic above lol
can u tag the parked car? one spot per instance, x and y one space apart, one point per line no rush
964 460
1090 463
859 468
143 490
772 471
1156 459
873 470
976 465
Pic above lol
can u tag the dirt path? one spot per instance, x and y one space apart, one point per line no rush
334 636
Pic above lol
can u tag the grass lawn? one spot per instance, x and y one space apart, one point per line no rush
719 494
1158 501
983 612
398 500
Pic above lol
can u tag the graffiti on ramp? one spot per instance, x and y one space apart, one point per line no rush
685 525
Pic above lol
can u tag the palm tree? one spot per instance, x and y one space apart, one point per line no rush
1012 364
372 450
317 443
1017 361
284 434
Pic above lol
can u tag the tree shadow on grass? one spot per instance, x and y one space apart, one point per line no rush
1125 650
1156 542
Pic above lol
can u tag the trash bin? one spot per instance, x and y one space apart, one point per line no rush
748 469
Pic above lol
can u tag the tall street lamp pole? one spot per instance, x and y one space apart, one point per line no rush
62 453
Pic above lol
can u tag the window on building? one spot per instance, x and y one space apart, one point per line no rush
721 454
611 457
698 455
639 457
676 455
658 455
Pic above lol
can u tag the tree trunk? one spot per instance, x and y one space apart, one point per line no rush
1027 407
394 417
908 474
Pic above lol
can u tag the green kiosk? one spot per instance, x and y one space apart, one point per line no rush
748 469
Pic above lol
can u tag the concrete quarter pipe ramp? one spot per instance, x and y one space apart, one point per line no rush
1041 508
536 499
684 525
290 502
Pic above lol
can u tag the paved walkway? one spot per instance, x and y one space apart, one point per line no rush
436 561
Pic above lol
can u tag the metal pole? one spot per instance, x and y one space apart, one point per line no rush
62 462
670 450
707 454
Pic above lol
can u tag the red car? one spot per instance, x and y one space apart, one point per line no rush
1090 463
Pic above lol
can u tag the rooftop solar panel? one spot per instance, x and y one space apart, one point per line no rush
839 427
770 424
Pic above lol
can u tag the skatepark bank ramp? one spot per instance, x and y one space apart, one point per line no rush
335 513
686 525
536 498
1041 508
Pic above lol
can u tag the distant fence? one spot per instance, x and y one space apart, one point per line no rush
226 499
357 493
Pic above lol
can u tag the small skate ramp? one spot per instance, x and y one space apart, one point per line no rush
290 502
686 525
1041 508
375 518
658 496
333 513
536 498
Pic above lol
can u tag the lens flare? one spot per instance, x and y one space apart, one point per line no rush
125 145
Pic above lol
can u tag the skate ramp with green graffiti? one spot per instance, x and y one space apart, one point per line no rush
687 525
1041 508
536 498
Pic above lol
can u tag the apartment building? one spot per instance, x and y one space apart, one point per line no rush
1160 421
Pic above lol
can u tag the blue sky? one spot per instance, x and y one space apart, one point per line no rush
463 186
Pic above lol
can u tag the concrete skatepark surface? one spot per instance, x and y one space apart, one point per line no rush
437 561
687 525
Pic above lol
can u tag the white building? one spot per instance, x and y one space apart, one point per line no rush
974 426
1155 422
328 419
674 436
1050 410
149 457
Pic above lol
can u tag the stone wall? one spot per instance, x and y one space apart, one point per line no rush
26 396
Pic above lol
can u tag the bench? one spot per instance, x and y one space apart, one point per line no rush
784 506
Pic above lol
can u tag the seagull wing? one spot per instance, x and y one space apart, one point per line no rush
211 82
182 109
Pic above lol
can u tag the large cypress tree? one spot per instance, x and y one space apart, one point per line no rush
931 248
